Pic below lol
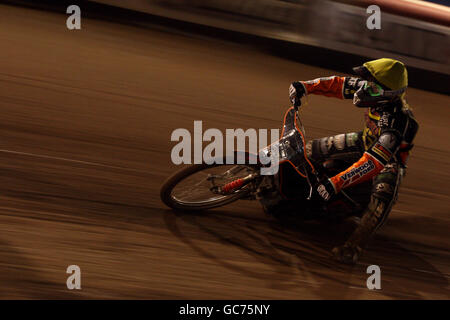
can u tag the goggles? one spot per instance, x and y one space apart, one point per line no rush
371 93
373 89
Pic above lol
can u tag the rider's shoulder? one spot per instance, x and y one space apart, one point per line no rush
407 113
403 119
399 109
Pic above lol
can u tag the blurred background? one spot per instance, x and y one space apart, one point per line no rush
416 32
323 32
85 131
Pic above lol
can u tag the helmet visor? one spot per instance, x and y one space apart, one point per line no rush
373 89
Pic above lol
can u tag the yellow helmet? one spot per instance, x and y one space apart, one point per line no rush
389 72
386 80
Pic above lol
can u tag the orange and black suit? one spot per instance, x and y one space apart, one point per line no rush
379 152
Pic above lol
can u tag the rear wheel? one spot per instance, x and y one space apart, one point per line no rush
198 186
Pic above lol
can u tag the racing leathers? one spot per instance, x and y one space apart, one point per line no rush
380 153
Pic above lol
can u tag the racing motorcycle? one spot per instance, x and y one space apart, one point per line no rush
287 193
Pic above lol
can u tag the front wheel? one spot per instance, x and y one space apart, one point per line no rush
200 186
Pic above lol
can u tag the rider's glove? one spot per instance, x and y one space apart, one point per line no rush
296 92
325 189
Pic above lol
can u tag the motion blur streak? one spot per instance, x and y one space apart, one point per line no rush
112 94
64 159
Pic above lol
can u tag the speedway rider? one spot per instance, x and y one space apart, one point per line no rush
381 149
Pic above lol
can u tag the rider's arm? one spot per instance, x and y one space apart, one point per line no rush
334 86
371 163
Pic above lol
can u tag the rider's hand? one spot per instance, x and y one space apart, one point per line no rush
325 189
296 92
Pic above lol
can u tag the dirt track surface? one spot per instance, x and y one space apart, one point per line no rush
85 145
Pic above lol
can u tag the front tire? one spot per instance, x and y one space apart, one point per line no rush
197 195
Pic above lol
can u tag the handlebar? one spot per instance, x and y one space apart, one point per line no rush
297 105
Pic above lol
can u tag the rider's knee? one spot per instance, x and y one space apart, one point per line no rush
383 191
341 145
385 184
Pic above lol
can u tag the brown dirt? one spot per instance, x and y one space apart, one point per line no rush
85 145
